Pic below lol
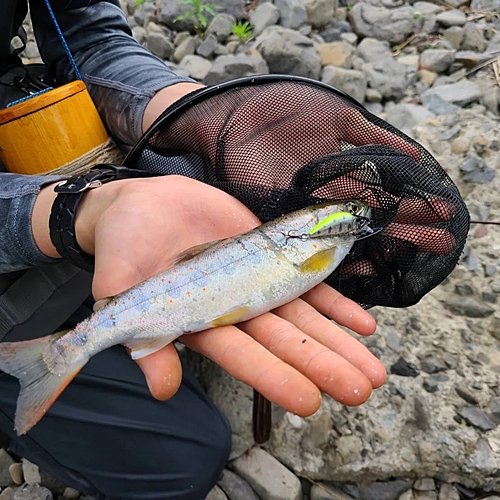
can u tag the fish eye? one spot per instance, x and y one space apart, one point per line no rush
352 208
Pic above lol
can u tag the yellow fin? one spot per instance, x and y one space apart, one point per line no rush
193 251
139 348
318 262
232 317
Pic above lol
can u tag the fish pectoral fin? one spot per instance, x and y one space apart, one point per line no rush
231 317
140 348
318 262
193 251
39 386
99 304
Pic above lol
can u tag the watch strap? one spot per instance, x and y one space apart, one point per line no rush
70 194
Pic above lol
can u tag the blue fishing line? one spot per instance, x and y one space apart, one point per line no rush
66 49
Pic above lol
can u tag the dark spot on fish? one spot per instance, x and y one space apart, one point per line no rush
304 341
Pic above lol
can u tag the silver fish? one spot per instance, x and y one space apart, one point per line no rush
219 283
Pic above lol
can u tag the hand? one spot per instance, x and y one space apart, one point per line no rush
136 227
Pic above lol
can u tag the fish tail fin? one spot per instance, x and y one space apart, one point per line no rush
40 387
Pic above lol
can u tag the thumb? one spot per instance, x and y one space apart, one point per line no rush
163 372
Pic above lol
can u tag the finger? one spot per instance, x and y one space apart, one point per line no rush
163 372
344 311
333 374
309 321
248 361
428 239
419 211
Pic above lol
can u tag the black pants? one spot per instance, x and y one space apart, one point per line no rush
107 436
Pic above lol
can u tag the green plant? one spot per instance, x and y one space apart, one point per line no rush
197 10
243 30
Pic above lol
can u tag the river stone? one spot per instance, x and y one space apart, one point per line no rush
5 462
319 12
389 77
393 25
235 487
234 66
288 52
264 15
221 26
267 476
370 50
461 93
448 492
196 67
293 13
336 54
437 60
216 494
352 82
7 494
33 492
324 492
489 5
451 18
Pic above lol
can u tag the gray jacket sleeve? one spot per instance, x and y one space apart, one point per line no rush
18 249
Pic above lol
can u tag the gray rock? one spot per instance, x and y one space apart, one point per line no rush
461 93
371 50
473 38
494 44
437 60
143 10
448 492
406 116
489 5
352 82
454 35
393 25
286 51
31 472
16 473
476 417
466 395
424 484
208 46
404 369
221 26
71 493
139 34
474 169
293 13
324 492
389 77
427 8
195 66
319 12
264 15
33 492
229 67
5 462
186 48
267 476
451 18
494 409
389 490
235 487
216 494
437 105
351 38
160 45
433 364
468 306
7 494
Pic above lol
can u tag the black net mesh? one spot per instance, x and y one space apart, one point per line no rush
282 144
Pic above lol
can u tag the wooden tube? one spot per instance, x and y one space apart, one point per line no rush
59 131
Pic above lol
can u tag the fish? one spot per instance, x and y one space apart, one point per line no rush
219 283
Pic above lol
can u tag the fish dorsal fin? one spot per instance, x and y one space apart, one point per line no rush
193 251
139 348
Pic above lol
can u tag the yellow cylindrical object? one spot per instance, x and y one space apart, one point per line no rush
59 131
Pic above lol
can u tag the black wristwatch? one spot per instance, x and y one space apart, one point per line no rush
70 193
